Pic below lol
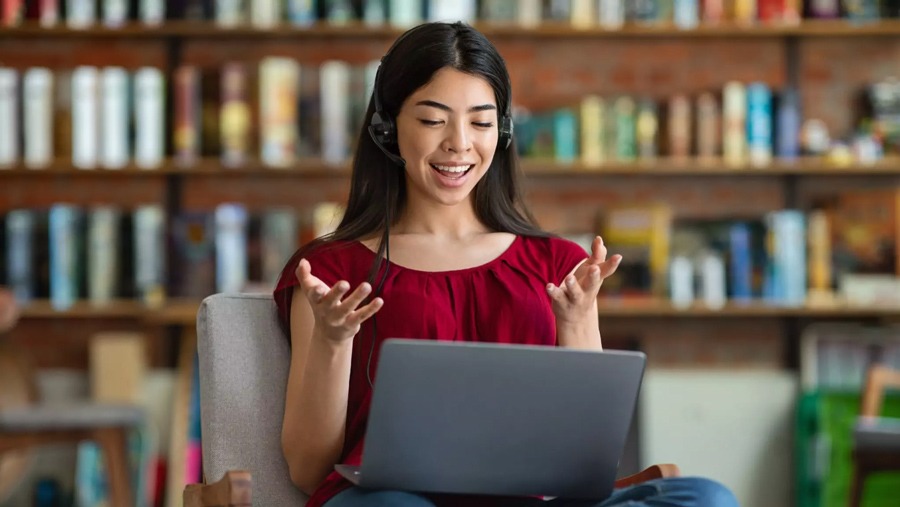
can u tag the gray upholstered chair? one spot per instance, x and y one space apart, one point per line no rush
244 359
876 439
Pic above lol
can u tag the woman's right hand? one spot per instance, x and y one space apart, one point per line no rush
337 318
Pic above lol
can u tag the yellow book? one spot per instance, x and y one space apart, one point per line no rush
592 114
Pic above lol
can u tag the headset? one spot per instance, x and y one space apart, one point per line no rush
383 128
383 131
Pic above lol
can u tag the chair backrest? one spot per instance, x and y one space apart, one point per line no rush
244 359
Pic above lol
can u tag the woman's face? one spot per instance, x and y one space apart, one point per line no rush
447 133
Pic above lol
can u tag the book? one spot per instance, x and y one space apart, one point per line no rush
642 235
278 85
103 247
734 123
150 254
115 13
679 126
115 143
451 10
231 247
565 136
37 118
335 89
231 13
9 117
611 14
709 130
625 131
592 116
338 12
21 234
149 117
66 255
787 125
187 129
152 12
81 14
647 129
265 13
85 117
759 124
234 115
686 14
529 15
193 273
49 13
582 14
301 12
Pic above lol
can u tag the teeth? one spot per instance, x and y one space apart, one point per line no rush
452 169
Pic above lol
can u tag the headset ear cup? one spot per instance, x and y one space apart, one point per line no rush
383 129
506 132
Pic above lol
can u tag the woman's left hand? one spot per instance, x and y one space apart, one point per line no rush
575 300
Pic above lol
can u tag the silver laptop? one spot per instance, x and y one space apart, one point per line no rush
477 418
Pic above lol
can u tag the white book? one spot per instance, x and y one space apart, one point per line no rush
582 14
152 12
611 14
114 148
149 117
530 13
711 268
150 254
9 117
37 120
81 13
85 117
374 12
231 248
102 254
405 13
335 86
265 13
451 10
115 13
230 13
279 79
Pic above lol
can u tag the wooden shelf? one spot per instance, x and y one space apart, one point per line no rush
316 168
184 311
358 30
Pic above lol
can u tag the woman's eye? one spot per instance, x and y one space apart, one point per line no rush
431 123
485 125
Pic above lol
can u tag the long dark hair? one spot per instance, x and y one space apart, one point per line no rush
378 185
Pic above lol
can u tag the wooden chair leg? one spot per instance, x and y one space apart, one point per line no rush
857 485
114 443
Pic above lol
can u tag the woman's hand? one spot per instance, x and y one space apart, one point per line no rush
337 318
575 300
9 310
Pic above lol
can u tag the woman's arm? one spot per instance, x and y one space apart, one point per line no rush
323 324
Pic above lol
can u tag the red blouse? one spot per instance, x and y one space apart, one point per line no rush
502 301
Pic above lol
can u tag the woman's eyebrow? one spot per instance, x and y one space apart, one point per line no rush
444 107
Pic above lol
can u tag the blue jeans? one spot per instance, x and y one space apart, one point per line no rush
670 492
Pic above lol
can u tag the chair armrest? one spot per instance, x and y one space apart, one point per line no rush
648 474
878 379
234 489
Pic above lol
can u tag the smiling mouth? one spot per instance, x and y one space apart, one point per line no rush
452 172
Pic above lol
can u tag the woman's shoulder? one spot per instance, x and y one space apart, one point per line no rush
553 245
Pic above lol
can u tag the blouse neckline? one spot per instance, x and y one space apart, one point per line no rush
496 260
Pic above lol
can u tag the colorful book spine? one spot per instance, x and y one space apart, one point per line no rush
582 16
265 13
187 133
451 10
234 115
49 13
624 110
152 12
740 261
405 13
37 120
12 13
787 125
565 136
20 237
687 14
102 254
734 124
708 126
820 275
647 129
745 12
231 248
9 117
759 124
338 12
375 12
592 114
65 255
115 13
824 9
681 282
150 254
679 128
712 280
279 80
611 14
302 12
529 13
231 13
81 14
713 11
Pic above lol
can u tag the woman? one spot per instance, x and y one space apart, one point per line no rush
435 242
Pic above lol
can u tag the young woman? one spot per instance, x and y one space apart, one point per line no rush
436 243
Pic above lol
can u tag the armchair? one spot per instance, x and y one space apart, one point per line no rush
876 440
244 359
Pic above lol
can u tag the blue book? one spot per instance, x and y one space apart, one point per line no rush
759 123
787 126
66 238
741 266
787 276
565 136
20 233
231 248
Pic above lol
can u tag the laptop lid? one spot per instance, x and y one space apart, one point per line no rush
479 418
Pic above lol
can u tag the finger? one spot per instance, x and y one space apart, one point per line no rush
356 297
609 267
334 296
308 282
594 280
366 312
557 294
598 251
574 292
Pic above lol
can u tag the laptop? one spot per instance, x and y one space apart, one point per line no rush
497 419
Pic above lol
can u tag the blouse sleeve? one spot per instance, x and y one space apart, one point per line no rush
566 256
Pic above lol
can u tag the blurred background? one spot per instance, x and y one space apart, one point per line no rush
741 154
